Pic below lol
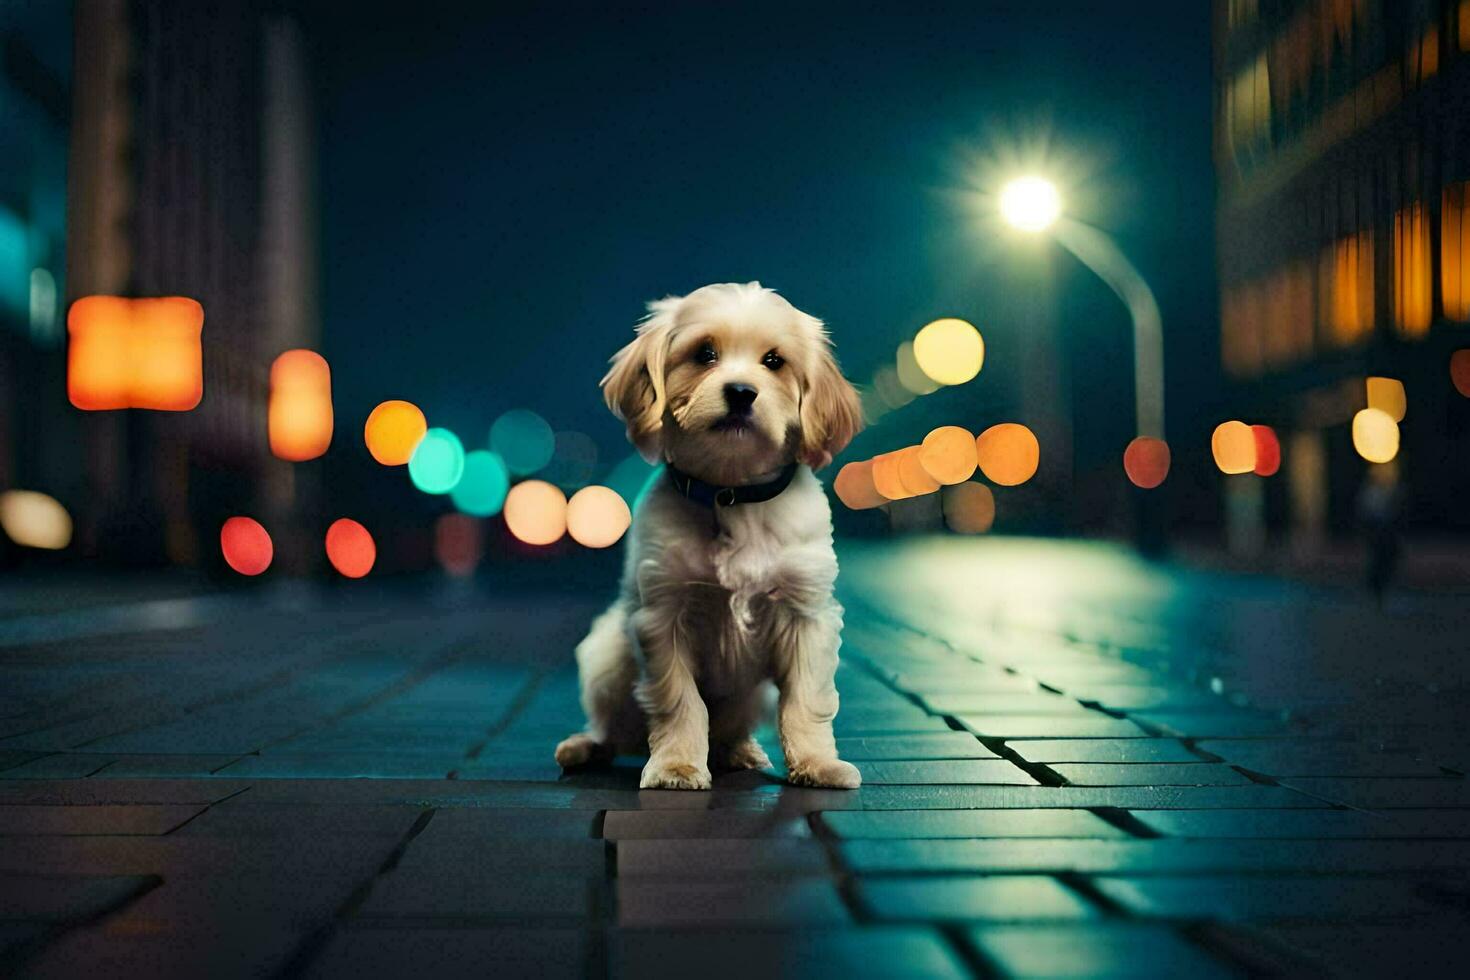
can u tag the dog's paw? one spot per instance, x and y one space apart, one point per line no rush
827 773
674 775
577 750
745 755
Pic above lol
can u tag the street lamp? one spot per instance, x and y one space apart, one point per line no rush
1033 204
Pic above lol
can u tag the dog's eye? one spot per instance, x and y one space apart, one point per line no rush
773 360
706 354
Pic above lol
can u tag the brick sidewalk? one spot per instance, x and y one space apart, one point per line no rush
363 787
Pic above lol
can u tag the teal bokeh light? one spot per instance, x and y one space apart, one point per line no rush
632 478
481 491
523 440
437 465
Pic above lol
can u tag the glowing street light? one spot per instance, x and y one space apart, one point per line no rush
1030 203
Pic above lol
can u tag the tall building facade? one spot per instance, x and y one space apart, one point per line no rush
1342 145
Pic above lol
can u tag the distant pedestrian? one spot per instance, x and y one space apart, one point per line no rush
1380 506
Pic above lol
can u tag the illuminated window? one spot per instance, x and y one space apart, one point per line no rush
1248 110
1454 248
1345 284
1422 61
1411 271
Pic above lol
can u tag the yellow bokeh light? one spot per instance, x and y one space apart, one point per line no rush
393 431
1387 395
597 517
949 351
854 486
34 520
948 454
886 477
1008 454
135 353
911 472
1375 435
1030 203
910 375
536 512
1234 447
299 412
969 508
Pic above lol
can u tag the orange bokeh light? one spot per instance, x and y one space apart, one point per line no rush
246 545
969 508
886 478
1234 447
1268 450
393 431
597 517
911 473
350 548
458 543
135 353
949 454
536 512
1146 461
1460 371
1008 454
854 486
300 412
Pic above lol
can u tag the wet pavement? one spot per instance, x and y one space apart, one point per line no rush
1074 764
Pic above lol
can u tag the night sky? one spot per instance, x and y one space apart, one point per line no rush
503 189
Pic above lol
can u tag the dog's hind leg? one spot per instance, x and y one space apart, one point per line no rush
607 671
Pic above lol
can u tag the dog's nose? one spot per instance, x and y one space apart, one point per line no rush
740 397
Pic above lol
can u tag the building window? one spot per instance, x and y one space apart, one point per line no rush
1345 284
1248 111
1454 251
1411 271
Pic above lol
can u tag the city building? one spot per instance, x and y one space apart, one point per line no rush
1342 144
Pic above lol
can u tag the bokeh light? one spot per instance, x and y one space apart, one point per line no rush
886 477
949 454
299 413
458 544
437 463
969 508
910 375
483 485
891 391
1146 461
1375 435
1387 395
1234 447
1030 203
135 353
854 486
950 351
1268 450
35 520
524 440
1008 454
573 461
350 548
393 431
597 517
911 472
536 512
1460 371
631 478
246 545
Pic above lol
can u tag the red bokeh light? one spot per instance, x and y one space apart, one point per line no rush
350 548
246 545
1146 461
1268 450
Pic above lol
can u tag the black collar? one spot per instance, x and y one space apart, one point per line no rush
710 494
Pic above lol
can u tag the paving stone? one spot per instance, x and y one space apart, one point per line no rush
1013 898
1135 697
887 720
1387 794
966 771
134 766
447 953
1007 703
231 950
1308 824
38 898
242 819
9 760
747 900
1088 724
176 856
496 857
1156 856
1210 724
625 825
342 765
1247 898
1148 774
936 745
1317 757
449 891
739 954
283 897
1128 750
482 823
971 679
1125 797
712 858
70 820
61 765
1410 949
1093 949
917 824
94 792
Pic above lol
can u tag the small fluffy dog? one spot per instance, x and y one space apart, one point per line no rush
727 583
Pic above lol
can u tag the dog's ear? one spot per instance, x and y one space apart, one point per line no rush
634 386
831 413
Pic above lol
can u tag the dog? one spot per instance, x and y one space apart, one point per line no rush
729 569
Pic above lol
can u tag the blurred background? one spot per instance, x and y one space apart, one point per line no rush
465 207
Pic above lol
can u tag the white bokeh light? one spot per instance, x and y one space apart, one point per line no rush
1030 203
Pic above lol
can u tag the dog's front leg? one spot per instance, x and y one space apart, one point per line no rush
678 721
806 661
